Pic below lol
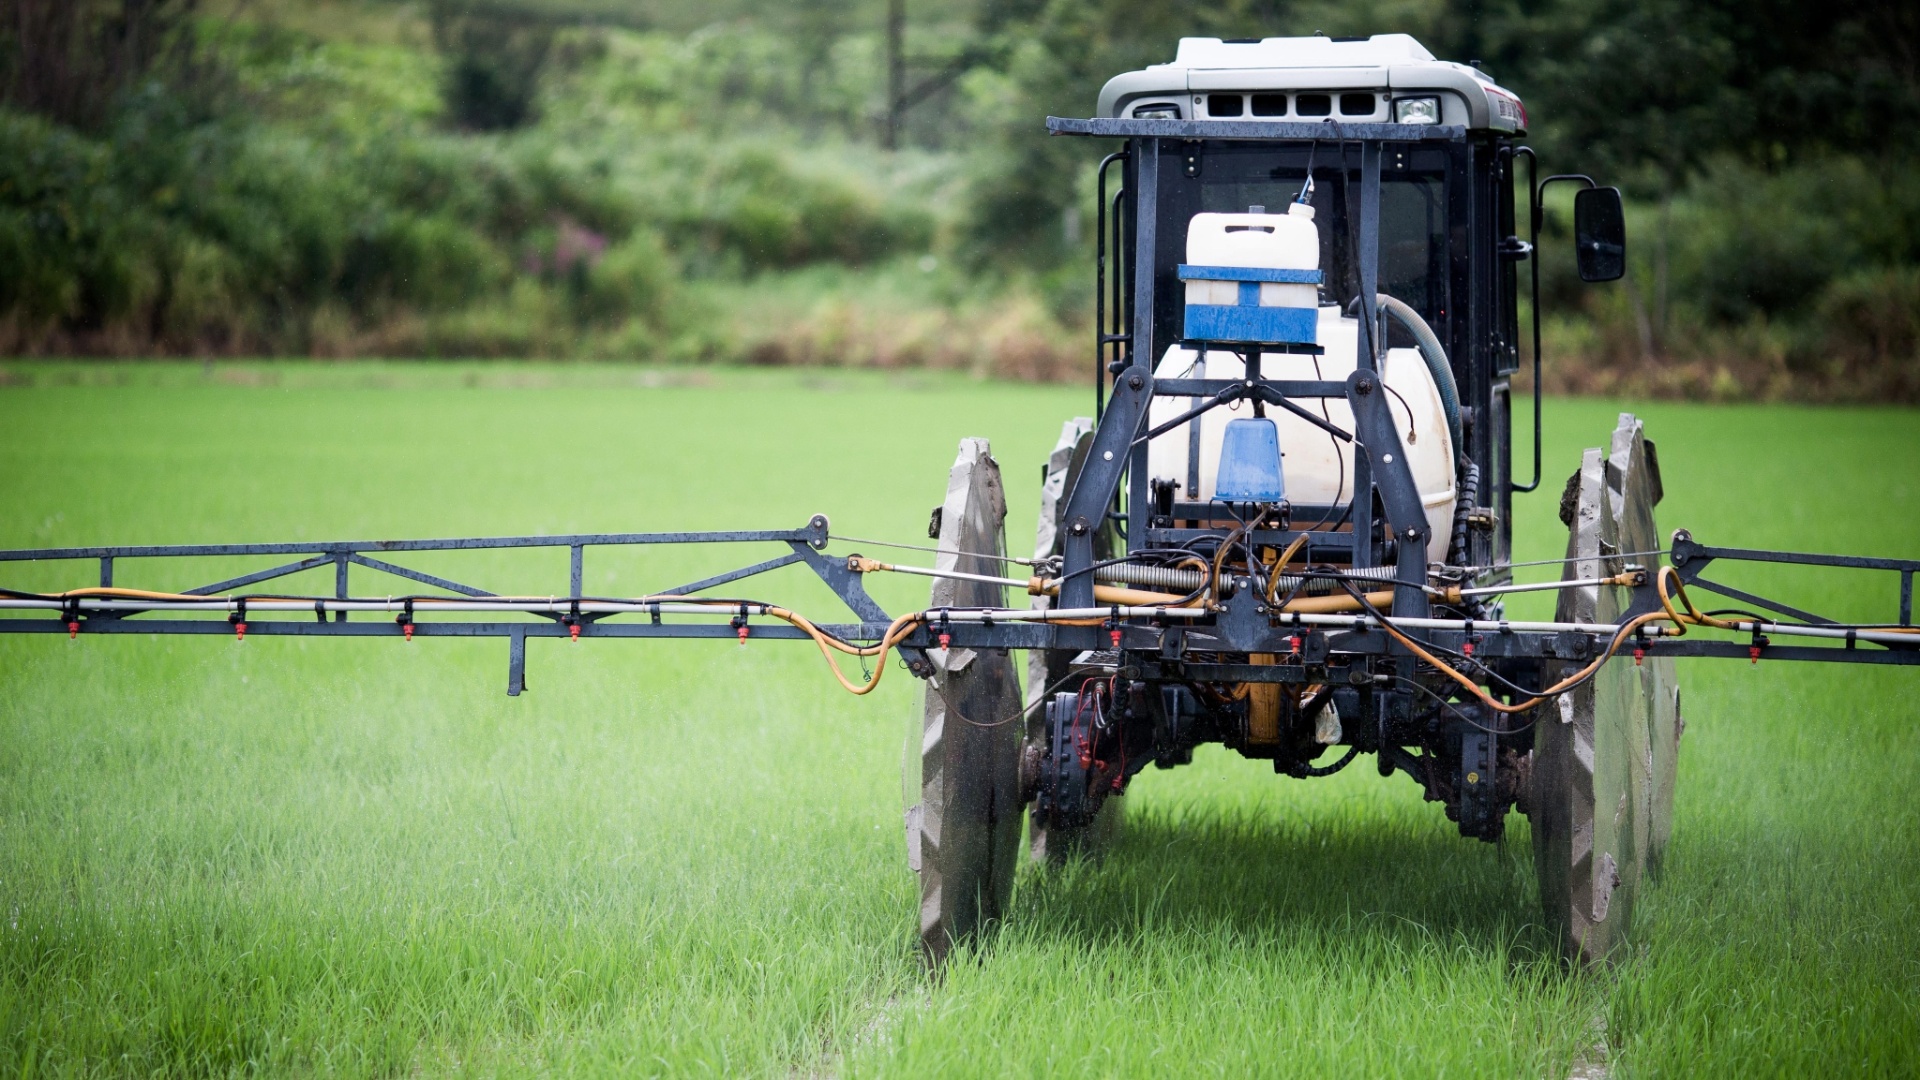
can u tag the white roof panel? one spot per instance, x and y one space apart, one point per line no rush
1380 50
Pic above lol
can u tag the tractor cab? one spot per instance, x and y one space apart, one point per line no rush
1287 213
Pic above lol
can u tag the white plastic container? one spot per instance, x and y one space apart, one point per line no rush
1261 241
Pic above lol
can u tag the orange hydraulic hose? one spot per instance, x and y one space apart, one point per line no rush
1280 566
1220 555
1332 605
1106 594
1117 594
901 627
109 593
1619 638
1207 585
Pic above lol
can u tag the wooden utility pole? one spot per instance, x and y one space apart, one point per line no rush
896 72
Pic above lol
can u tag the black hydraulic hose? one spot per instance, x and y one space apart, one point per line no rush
1305 771
1436 358
1463 503
1463 717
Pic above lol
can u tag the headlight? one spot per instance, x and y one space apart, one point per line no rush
1157 110
1417 110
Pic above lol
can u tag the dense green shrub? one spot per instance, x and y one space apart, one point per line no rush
1871 332
751 206
57 223
1747 242
635 277
430 261
301 224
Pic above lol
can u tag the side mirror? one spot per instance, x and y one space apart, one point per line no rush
1600 234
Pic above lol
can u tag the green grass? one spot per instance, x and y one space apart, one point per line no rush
360 857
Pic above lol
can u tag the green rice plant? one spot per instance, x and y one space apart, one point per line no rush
291 855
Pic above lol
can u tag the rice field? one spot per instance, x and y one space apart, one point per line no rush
360 858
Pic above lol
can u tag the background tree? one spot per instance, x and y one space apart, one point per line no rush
72 60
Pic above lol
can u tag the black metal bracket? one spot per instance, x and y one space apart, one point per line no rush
1690 558
1099 479
1230 391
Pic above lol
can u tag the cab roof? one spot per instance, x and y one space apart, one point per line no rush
1266 77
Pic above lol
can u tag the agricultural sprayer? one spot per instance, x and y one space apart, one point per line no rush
1285 528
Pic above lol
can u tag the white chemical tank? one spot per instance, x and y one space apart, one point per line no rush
1318 468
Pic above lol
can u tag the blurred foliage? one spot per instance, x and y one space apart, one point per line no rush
494 62
621 177
72 59
330 198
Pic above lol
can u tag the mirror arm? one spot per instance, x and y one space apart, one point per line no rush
1536 189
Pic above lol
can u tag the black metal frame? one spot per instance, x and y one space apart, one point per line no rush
1689 558
805 546
1119 446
